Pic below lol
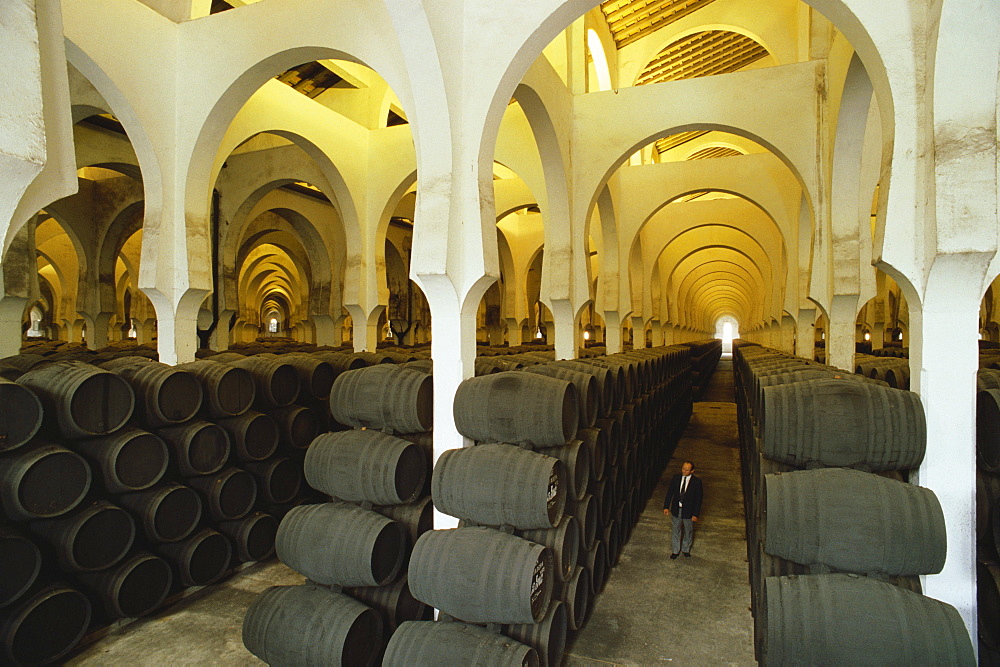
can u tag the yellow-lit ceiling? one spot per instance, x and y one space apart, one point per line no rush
631 20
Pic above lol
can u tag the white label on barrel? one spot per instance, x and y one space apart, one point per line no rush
553 488
537 579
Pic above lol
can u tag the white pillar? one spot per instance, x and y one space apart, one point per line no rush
805 333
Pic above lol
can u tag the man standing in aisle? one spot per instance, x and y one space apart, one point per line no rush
683 503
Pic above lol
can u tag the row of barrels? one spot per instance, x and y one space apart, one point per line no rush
988 511
836 537
705 355
567 506
354 549
894 371
179 484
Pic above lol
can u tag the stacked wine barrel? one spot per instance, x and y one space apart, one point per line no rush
988 511
894 371
566 455
353 549
705 355
836 536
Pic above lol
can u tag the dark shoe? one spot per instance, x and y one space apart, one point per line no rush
673 556
687 554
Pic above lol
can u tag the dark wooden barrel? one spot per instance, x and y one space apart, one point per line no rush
850 620
898 377
315 375
498 484
127 460
340 543
297 426
988 607
228 391
26 362
576 597
517 407
482 575
563 541
613 437
547 637
41 480
422 365
813 517
394 603
20 563
21 417
987 511
200 559
277 383
417 517
366 466
167 513
254 435
198 447
587 391
135 587
587 517
90 539
43 627
341 361
596 564
576 457
843 423
164 394
252 536
384 396
596 440
606 383
311 625
988 429
80 400
278 479
227 495
452 643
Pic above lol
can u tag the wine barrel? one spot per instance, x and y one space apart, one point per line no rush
20 562
127 460
276 383
298 426
44 627
164 394
228 391
252 536
21 417
136 587
80 400
596 440
498 484
587 516
846 619
596 563
606 383
577 598
482 575
416 517
316 376
311 625
563 541
90 539
576 456
517 407
988 607
429 643
547 637
42 480
199 447
228 495
587 391
167 513
860 424
366 466
988 429
340 543
278 480
254 435
199 560
340 361
854 521
394 603
384 396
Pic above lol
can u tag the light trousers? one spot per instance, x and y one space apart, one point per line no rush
681 525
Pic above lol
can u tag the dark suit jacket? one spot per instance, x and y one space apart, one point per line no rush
691 498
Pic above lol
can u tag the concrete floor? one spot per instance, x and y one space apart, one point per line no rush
689 611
